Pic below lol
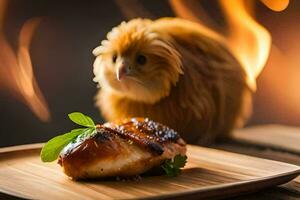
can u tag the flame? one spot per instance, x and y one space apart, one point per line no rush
193 11
276 5
182 9
249 41
16 73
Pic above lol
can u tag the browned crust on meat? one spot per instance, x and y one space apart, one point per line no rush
146 133
104 144
155 141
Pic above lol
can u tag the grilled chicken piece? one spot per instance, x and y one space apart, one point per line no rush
126 148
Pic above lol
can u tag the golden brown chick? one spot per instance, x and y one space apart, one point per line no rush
175 72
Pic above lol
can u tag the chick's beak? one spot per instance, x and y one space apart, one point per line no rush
122 70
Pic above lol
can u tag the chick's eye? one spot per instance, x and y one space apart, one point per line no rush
141 59
114 58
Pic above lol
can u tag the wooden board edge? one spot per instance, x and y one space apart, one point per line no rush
247 156
226 190
21 147
12 195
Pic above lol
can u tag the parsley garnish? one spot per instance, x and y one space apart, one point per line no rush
53 147
172 167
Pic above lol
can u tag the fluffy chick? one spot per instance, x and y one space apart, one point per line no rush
175 72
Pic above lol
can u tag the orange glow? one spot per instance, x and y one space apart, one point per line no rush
249 41
193 10
278 96
182 10
276 5
16 73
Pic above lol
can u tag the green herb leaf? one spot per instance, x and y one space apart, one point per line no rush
180 161
87 132
82 119
172 167
54 146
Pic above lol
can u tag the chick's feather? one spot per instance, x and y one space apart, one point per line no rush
189 81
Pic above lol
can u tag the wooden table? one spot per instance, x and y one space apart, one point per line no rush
274 142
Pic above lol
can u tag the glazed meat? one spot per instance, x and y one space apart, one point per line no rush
125 148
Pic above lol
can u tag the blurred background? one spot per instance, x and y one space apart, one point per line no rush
64 34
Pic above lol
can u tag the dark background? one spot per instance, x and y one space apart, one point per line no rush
62 62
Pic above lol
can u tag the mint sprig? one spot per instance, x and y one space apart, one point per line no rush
53 147
173 167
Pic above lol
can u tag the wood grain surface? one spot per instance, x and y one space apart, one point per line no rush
209 173
258 141
276 136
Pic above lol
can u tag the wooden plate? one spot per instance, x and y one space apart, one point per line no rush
209 173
